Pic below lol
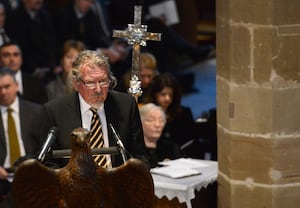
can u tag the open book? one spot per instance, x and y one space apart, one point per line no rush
179 168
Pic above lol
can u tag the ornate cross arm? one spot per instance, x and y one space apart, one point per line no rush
136 35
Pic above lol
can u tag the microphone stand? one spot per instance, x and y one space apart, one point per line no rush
119 143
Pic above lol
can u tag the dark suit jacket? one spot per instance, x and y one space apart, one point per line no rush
33 89
29 118
181 128
7 6
165 149
67 27
121 111
36 39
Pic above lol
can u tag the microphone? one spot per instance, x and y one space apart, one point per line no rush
119 143
47 144
66 153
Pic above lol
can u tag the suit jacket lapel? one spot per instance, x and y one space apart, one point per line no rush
2 142
111 118
74 111
23 122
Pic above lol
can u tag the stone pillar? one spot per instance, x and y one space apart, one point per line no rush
258 103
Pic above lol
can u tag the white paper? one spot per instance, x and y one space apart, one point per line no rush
185 163
174 172
181 167
167 9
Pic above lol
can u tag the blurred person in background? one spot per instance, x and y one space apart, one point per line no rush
153 121
166 92
30 87
25 115
3 35
31 27
62 84
78 21
146 73
172 44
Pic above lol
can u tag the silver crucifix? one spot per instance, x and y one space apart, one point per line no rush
137 36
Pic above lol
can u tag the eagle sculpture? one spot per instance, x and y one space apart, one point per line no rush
82 184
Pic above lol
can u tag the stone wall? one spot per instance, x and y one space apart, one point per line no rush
258 99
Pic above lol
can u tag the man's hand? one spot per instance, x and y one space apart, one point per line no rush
3 173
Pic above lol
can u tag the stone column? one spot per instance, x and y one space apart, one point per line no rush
258 103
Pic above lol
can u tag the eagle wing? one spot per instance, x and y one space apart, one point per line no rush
35 185
131 185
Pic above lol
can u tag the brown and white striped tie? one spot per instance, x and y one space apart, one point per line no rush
97 140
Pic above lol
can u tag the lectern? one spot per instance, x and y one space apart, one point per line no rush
81 183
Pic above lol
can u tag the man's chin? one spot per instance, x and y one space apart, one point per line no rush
96 103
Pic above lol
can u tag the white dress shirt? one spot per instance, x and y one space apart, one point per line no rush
86 115
18 77
3 37
16 116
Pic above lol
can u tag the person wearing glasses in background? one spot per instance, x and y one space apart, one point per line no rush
93 82
160 149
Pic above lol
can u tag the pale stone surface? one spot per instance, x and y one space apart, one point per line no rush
286 12
239 194
286 111
258 113
263 160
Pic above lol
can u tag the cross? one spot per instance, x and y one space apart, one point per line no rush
137 36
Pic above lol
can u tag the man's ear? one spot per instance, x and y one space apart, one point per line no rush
75 84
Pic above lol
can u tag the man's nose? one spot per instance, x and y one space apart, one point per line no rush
98 88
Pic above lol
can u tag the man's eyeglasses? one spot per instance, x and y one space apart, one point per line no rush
93 85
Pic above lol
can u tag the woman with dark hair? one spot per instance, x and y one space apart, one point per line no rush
165 91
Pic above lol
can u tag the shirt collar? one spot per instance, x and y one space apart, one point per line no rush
14 106
79 15
85 107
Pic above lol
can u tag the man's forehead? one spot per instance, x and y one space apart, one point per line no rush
6 79
92 68
94 72
10 48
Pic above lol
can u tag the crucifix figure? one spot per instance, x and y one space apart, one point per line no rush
137 36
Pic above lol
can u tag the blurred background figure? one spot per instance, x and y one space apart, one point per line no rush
153 121
79 21
147 72
3 35
10 5
62 84
32 28
172 43
30 87
165 92
17 141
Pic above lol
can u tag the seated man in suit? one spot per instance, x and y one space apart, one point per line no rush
31 26
25 115
77 21
30 87
94 98
3 35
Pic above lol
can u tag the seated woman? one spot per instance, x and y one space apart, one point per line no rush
160 149
165 91
62 84
146 73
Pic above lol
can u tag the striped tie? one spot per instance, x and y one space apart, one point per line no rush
96 140
13 138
